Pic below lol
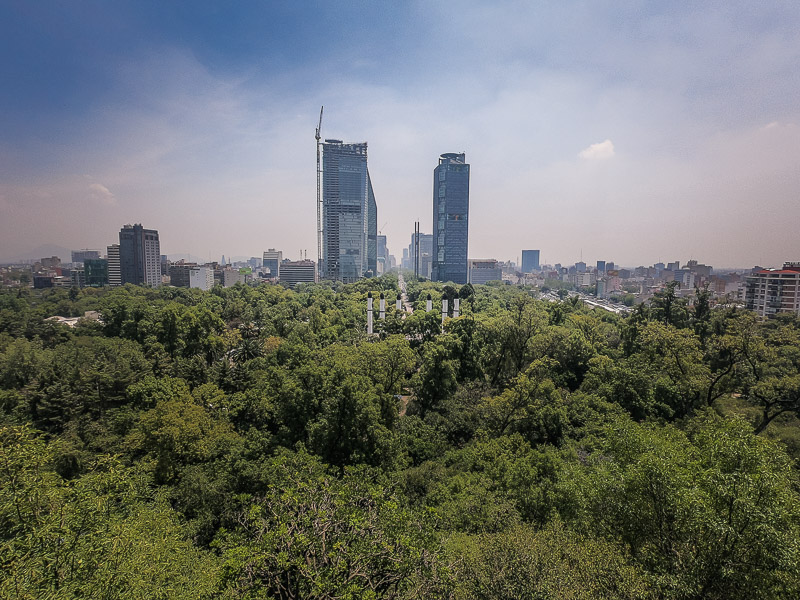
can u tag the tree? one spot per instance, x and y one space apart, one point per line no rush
436 378
770 373
102 536
178 431
709 514
313 536
667 308
553 562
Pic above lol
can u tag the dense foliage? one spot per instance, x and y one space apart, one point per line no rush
254 442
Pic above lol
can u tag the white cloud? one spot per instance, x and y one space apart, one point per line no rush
102 193
599 151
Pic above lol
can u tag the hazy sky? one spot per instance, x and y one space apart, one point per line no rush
628 131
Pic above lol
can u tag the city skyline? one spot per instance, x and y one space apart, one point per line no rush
631 134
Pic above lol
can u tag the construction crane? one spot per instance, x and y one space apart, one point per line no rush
319 199
380 231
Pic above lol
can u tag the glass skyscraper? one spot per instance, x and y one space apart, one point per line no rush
450 219
530 261
349 213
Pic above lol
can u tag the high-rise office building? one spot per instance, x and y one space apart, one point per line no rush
372 231
139 256
272 260
530 261
349 213
450 219
114 274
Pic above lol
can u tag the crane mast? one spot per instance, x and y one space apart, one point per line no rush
319 200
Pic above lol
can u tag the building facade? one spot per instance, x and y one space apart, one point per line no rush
139 256
425 254
95 272
450 219
79 256
772 291
114 274
230 277
372 231
179 273
349 213
383 256
272 261
299 271
201 278
482 271
530 261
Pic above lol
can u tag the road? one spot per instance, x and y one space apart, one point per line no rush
403 296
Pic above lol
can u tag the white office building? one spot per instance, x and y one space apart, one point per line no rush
201 278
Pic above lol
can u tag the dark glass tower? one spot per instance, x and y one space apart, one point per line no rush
139 256
349 213
450 219
530 261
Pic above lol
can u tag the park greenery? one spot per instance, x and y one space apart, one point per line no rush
255 442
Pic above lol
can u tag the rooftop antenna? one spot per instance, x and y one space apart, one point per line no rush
319 198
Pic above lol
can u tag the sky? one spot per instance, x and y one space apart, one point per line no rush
626 131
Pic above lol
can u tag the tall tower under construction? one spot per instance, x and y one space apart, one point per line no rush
349 213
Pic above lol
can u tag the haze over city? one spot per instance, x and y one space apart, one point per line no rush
628 132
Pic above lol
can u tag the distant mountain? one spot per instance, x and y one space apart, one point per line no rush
43 251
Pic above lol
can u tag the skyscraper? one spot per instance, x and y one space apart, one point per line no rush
114 274
139 256
530 261
383 256
450 219
372 231
349 213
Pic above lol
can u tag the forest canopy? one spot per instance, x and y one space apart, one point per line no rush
256 442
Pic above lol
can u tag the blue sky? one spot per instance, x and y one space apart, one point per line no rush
626 131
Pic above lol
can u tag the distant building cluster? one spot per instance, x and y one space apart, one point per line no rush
137 260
